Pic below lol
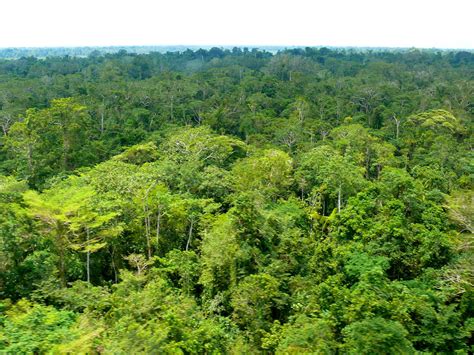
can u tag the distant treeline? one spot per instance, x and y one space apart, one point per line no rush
44 52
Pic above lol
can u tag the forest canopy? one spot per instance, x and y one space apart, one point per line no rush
312 200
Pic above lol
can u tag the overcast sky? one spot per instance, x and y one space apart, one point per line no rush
389 23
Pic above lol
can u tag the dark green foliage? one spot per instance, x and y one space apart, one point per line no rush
376 336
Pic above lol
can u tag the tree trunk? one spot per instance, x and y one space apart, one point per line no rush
339 200
148 242
158 227
6 124
190 234
147 230
147 235
101 122
397 125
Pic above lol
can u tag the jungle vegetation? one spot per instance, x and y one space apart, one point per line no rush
237 201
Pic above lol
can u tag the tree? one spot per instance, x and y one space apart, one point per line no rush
254 300
220 254
268 172
325 166
51 140
305 334
65 214
376 336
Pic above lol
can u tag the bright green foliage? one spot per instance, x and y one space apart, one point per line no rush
324 170
161 320
203 146
220 256
139 154
438 121
307 335
67 218
269 173
32 328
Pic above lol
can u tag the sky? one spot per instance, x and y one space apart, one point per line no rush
366 23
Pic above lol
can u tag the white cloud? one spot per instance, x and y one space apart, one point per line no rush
401 23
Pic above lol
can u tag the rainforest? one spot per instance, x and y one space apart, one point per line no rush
237 201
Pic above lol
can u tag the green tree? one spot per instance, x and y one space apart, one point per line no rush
325 166
64 214
376 336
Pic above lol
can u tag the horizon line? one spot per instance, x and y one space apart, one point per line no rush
226 46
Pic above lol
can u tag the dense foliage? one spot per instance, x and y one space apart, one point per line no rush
236 201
